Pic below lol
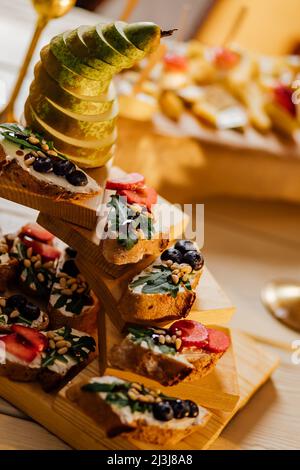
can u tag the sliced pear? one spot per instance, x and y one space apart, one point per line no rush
144 35
69 80
45 86
101 49
65 57
115 36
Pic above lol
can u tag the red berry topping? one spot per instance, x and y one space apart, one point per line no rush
218 341
142 195
35 231
47 252
129 181
37 340
19 347
176 62
283 96
225 58
193 334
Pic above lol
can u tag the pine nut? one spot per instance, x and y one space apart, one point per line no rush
178 333
48 265
178 343
58 337
74 287
45 147
38 257
52 153
136 386
32 286
27 263
62 351
174 337
67 292
41 277
162 339
33 259
62 275
41 154
176 271
29 161
37 264
14 314
2 302
185 278
61 344
169 263
132 395
80 290
175 278
168 339
33 140
71 281
52 344
51 334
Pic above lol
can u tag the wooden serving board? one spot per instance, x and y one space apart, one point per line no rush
62 417
218 390
84 213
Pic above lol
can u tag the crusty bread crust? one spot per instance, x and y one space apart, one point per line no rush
18 372
101 412
114 253
86 321
51 380
13 174
7 273
41 323
163 368
145 307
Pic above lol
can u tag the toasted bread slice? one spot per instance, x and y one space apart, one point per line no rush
164 290
17 167
21 312
72 303
146 352
69 351
136 411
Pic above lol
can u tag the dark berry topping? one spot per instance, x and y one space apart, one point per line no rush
71 252
63 167
194 410
31 311
16 301
70 268
77 178
185 245
163 411
172 254
181 408
43 165
194 259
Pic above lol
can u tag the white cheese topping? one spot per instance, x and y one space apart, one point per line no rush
11 148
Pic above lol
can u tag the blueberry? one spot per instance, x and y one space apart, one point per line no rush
193 409
194 259
70 268
181 409
163 411
185 245
172 254
71 252
77 178
16 301
31 311
63 167
43 165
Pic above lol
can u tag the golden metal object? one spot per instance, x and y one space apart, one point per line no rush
47 10
282 299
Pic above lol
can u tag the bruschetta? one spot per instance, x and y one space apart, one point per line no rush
17 309
133 410
166 288
131 232
184 352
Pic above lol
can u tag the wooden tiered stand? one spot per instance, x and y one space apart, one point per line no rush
240 372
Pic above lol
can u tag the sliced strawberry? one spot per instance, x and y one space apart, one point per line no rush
35 231
193 333
47 252
19 347
225 58
144 196
38 341
176 62
130 181
283 96
218 341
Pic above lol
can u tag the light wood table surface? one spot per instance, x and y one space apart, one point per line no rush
246 244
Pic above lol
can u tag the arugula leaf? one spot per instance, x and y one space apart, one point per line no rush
139 332
100 387
61 301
